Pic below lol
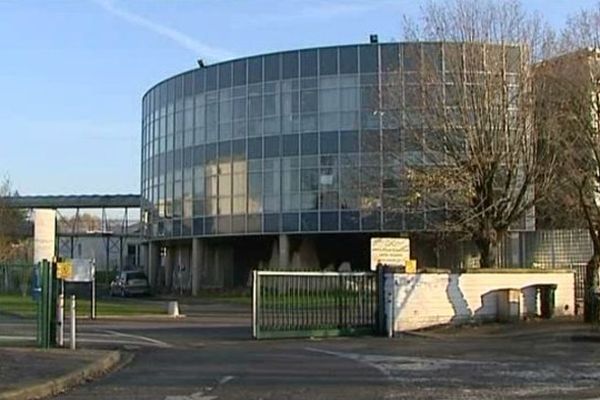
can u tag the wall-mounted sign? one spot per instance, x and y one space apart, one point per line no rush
392 252
82 270
44 235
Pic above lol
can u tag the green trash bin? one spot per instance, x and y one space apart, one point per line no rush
547 300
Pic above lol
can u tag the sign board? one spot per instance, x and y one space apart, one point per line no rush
82 270
44 235
64 270
389 251
411 266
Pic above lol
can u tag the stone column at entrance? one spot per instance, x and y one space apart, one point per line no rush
153 262
143 257
169 264
197 264
284 251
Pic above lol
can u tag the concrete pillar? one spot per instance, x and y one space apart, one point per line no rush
284 251
197 263
169 264
153 262
224 266
143 257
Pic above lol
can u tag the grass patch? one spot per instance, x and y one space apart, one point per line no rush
26 307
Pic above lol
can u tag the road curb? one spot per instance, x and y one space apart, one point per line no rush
62 383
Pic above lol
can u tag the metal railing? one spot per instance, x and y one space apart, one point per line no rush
303 304
16 278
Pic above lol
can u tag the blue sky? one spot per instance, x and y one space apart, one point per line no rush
72 72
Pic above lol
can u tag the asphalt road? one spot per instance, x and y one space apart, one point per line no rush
210 356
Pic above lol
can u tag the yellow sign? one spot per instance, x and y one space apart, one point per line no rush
64 269
411 266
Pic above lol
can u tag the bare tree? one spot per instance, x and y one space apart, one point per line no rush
573 89
11 225
467 110
581 30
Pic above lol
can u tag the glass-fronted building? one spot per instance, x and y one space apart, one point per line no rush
285 146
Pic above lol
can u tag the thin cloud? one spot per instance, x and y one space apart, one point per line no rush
200 49
321 10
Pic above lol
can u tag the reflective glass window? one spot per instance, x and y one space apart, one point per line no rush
350 220
370 141
329 142
290 65
390 57
238 149
308 101
225 75
254 148
272 67
239 108
309 221
290 222
432 57
211 78
254 223
271 222
349 142
329 100
199 80
370 220
411 57
224 149
308 63
328 63
239 72
329 221
290 145
211 152
198 226
309 143
348 60
271 146
255 70
368 59
188 84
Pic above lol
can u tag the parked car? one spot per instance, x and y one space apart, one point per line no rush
129 283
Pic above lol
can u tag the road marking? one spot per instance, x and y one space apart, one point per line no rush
203 394
156 342
226 379
355 357
193 396
17 337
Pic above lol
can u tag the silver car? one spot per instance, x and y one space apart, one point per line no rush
130 283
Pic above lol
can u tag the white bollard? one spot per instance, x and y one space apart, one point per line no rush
73 322
173 309
60 320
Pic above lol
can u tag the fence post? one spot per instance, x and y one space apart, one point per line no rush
381 326
255 302
73 322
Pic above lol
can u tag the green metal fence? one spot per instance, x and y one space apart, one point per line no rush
46 313
16 278
303 304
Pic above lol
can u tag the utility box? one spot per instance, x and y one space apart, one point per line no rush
509 305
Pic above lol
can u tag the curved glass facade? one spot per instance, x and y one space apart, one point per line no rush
289 142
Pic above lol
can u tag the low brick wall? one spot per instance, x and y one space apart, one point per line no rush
430 299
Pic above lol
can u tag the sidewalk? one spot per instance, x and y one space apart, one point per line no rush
562 326
27 373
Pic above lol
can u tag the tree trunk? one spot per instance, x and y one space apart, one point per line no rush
590 306
487 244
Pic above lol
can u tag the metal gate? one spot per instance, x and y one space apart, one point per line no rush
304 304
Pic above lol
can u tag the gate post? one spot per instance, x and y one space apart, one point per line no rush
46 329
381 322
255 303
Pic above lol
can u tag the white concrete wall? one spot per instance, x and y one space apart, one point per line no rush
424 300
